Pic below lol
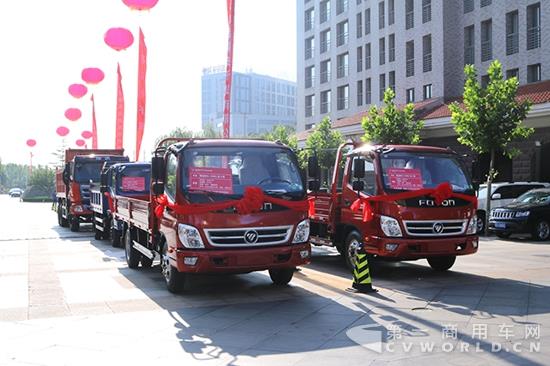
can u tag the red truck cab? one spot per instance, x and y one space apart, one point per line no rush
404 229
197 220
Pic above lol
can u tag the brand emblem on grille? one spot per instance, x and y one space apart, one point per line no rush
251 236
438 228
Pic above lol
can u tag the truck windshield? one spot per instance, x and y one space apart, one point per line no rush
84 172
411 171
221 173
134 179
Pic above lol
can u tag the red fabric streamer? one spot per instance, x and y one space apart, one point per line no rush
94 125
119 126
252 201
142 69
440 193
229 69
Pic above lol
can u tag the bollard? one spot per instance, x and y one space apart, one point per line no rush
362 281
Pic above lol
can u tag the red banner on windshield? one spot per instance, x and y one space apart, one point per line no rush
407 179
217 180
135 184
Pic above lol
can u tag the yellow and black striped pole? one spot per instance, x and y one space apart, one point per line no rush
362 281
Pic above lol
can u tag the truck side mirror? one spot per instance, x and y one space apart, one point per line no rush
358 168
157 188
104 179
313 167
157 169
358 185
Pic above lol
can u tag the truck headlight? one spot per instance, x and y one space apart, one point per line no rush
472 226
190 236
522 213
390 226
302 232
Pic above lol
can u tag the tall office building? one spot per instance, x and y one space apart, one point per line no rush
258 102
350 51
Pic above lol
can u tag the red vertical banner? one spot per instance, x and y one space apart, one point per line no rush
142 69
119 128
94 125
229 69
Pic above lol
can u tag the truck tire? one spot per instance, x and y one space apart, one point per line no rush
442 264
115 237
281 276
60 219
132 255
541 230
146 262
352 243
175 280
98 234
74 223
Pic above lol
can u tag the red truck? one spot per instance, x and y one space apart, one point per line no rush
406 217
219 206
82 167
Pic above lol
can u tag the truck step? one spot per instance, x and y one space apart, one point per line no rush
317 240
146 252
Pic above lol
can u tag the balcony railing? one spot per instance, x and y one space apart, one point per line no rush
533 38
469 55
325 76
512 43
342 39
342 71
410 67
427 63
486 51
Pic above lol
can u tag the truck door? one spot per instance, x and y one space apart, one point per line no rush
349 195
168 222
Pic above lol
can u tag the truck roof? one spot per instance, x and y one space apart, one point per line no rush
413 148
233 142
71 153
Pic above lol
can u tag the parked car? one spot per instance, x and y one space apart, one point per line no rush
503 193
15 192
529 213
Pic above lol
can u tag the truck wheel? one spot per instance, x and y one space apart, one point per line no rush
541 230
115 237
146 262
442 263
352 244
98 235
281 276
75 224
60 219
175 280
132 255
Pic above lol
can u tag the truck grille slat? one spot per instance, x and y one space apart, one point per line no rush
435 228
259 236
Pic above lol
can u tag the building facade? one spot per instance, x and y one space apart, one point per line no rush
258 102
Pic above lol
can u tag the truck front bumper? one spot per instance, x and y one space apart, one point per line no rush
242 260
416 248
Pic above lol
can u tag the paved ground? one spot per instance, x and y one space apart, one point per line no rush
66 299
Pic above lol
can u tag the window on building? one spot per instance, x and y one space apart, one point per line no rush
367 21
382 51
409 53
391 12
391 47
391 80
426 11
367 56
309 48
485 81
469 45
427 91
310 105
533 73
368 91
512 33
410 95
342 65
342 33
359 25
309 19
468 6
341 6
409 14
484 3
343 97
533 26
382 86
512 73
359 93
325 71
325 41
486 40
381 15
325 101
359 59
310 76
427 53
359 2
324 7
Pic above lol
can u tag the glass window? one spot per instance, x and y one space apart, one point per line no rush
310 105
391 12
309 19
325 101
382 86
135 179
359 25
325 71
468 6
426 11
533 73
427 53
391 81
410 58
342 33
325 41
512 73
359 59
410 95
367 56
325 11
381 15
359 92
540 197
533 26
486 40
342 65
427 91
409 14
391 47
343 97
171 173
484 3
512 33
367 21
469 45
368 91
382 51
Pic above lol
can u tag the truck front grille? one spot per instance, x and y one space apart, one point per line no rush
435 228
248 236
502 214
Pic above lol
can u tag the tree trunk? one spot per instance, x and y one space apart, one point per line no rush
489 184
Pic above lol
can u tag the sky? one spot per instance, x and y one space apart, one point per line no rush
46 44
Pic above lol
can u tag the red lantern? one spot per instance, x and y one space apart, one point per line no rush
80 142
31 142
62 131
73 114
92 75
119 38
140 4
87 134
78 90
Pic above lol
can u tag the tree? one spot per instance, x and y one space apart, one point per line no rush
323 142
389 125
43 178
282 133
491 118
209 131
